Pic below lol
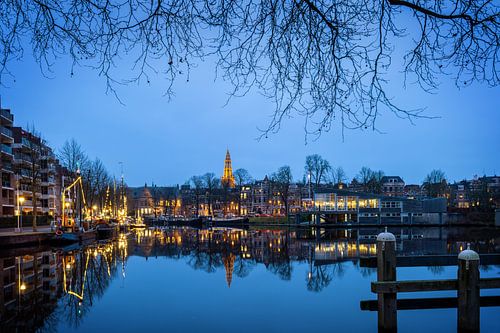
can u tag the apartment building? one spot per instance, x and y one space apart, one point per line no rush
35 168
7 199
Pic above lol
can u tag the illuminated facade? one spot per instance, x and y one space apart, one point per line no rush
227 178
348 206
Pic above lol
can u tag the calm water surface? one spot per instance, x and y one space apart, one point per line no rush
186 280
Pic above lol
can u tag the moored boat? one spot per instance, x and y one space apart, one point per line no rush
193 223
241 222
105 230
74 236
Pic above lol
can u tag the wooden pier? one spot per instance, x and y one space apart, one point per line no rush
467 285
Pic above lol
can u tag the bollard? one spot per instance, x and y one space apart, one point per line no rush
386 271
468 291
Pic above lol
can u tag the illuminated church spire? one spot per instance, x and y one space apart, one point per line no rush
227 177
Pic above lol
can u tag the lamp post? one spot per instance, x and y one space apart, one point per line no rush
20 201
65 219
94 209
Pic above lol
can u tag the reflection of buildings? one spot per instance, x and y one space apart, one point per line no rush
29 286
229 267
33 285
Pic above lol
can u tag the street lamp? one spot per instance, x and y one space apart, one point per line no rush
65 219
20 201
94 209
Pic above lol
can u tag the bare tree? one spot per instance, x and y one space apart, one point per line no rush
328 61
95 181
72 156
337 175
211 183
435 183
197 182
281 181
364 176
317 167
375 183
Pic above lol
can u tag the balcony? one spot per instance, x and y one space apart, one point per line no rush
6 132
7 166
20 158
6 149
7 115
6 184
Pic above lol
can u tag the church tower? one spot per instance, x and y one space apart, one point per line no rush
227 177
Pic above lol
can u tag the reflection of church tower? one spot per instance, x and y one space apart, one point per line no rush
229 265
227 177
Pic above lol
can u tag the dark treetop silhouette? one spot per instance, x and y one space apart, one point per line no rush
326 60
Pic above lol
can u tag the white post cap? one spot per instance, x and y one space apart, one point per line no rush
468 254
386 236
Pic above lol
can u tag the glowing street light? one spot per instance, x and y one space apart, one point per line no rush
20 201
92 216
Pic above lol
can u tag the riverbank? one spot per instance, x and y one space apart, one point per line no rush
10 238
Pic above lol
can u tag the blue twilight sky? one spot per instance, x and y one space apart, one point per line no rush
168 142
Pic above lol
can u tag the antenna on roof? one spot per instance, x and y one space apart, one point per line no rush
121 168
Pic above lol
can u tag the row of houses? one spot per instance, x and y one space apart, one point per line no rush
336 203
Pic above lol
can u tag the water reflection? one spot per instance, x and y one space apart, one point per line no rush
40 287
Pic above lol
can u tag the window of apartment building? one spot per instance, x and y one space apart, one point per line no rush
391 204
6 180
45 190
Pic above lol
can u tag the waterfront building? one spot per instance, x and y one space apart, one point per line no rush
392 186
35 167
338 206
7 199
227 178
261 197
154 200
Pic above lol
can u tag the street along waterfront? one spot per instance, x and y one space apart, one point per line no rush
189 280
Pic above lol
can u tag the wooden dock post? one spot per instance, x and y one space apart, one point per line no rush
386 271
468 291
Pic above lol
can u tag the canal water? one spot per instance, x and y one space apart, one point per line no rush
257 280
